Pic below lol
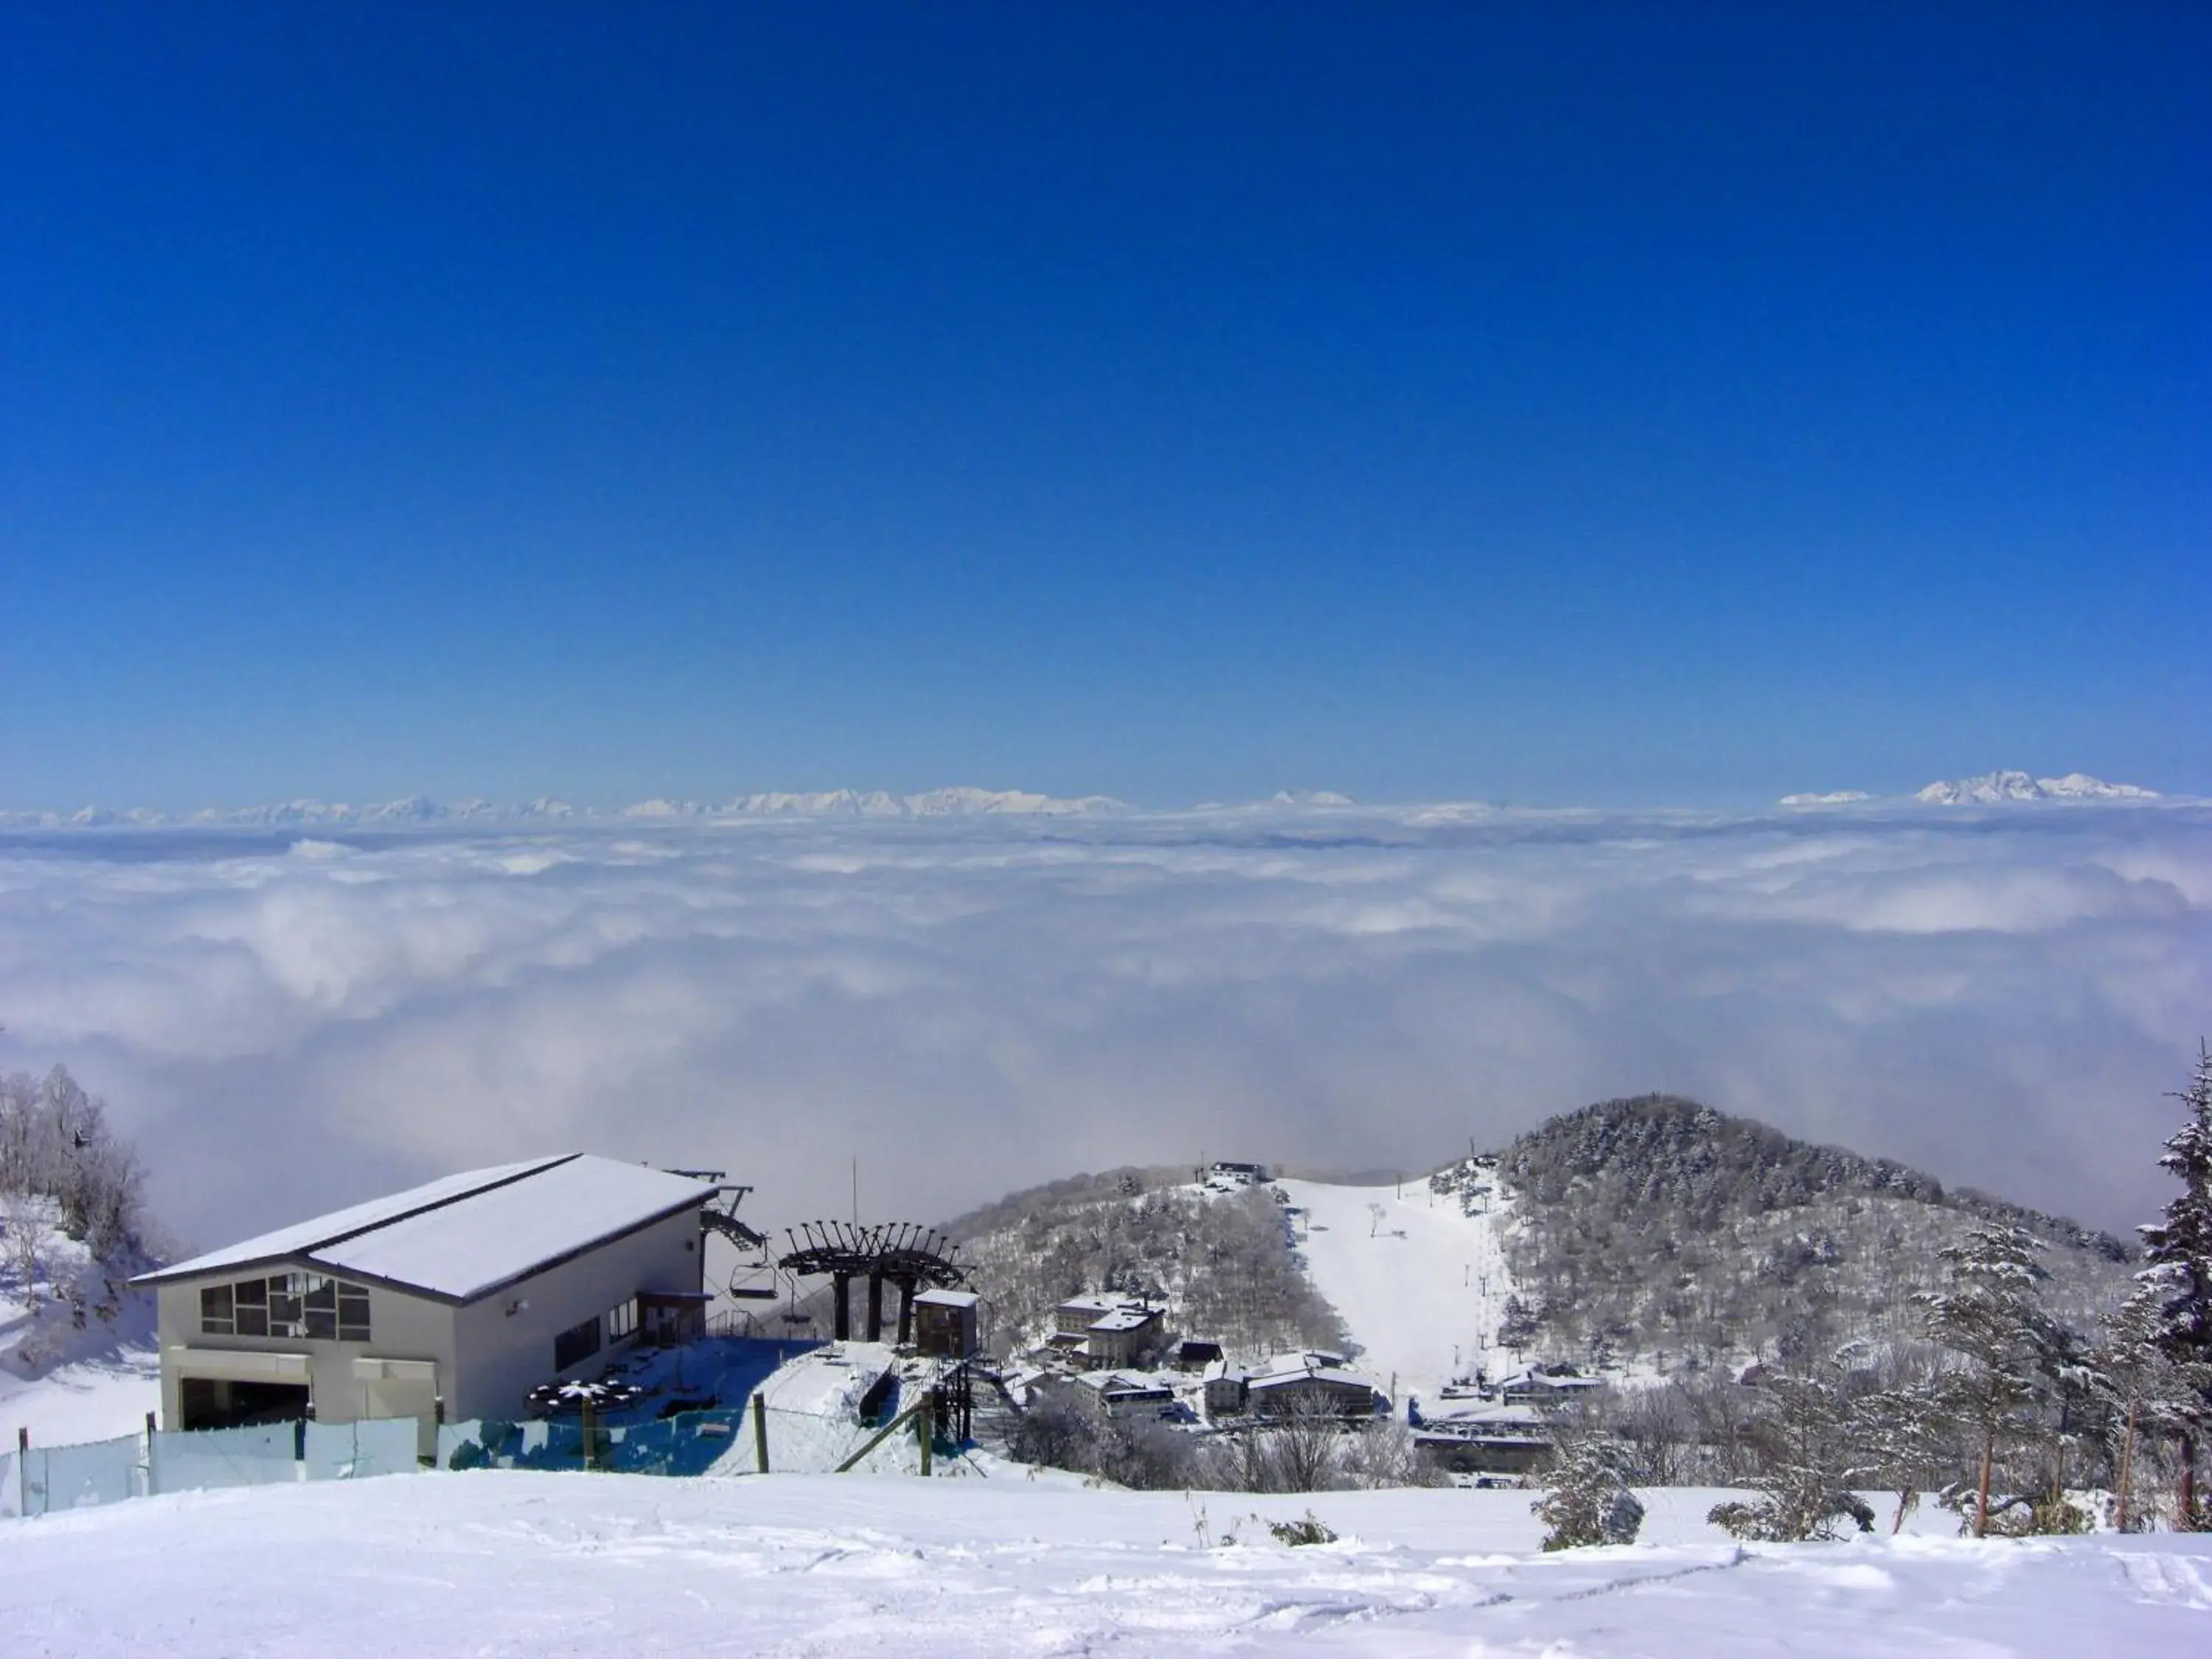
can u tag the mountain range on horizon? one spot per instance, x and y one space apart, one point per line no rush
1988 788
1991 789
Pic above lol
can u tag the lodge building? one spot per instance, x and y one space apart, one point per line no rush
451 1300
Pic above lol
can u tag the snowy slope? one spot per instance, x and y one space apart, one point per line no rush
85 1399
68 1380
494 1563
1422 1289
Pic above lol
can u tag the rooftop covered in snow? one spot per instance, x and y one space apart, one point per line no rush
464 1235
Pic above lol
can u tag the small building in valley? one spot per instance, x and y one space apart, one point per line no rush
1311 1387
1194 1354
453 1299
1107 1330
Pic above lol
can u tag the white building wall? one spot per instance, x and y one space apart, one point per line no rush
506 1339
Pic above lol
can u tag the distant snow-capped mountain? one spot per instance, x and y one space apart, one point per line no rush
1992 788
949 803
955 802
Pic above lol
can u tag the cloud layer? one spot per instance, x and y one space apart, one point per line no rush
970 1004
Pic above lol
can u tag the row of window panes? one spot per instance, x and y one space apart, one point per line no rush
580 1342
577 1344
308 1306
622 1321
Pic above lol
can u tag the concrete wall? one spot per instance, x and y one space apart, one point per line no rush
507 1354
487 1358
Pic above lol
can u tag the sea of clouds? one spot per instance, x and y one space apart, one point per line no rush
286 1023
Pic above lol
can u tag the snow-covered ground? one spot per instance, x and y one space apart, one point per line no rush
487 1564
1422 1287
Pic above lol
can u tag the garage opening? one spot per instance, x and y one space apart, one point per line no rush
210 1402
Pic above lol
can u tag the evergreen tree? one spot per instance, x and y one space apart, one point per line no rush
1909 1440
2144 1391
1992 1317
2178 1272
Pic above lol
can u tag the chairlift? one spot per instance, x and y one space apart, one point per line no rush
753 1282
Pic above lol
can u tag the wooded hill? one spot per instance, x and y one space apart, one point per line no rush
1655 1229
1223 1265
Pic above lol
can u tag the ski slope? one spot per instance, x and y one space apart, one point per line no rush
490 1564
1422 1288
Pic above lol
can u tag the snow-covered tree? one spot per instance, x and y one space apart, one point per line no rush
2146 1393
1909 1442
1586 1500
1809 1434
2177 1271
1991 1316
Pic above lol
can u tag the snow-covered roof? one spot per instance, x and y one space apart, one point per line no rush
464 1236
1124 1319
934 1298
1317 1373
1090 1304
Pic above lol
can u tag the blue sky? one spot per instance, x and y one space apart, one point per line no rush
1543 403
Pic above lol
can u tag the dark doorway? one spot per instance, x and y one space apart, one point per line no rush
207 1403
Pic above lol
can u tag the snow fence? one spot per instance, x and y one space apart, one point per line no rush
689 1443
40 1480
723 1441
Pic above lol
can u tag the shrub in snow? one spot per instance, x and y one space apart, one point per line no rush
1586 1499
1309 1530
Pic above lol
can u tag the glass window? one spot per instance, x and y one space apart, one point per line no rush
353 1314
308 1305
576 1343
320 1303
284 1310
621 1319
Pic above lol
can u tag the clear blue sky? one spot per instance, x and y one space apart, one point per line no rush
1655 403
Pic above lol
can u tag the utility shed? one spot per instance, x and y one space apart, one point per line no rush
454 1299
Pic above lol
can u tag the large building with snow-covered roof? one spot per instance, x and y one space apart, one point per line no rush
453 1299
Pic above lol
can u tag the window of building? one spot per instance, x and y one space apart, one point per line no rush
622 1321
308 1306
576 1343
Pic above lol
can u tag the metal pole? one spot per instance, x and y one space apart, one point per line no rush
922 1426
760 1433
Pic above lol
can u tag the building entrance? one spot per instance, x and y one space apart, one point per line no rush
210 1402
